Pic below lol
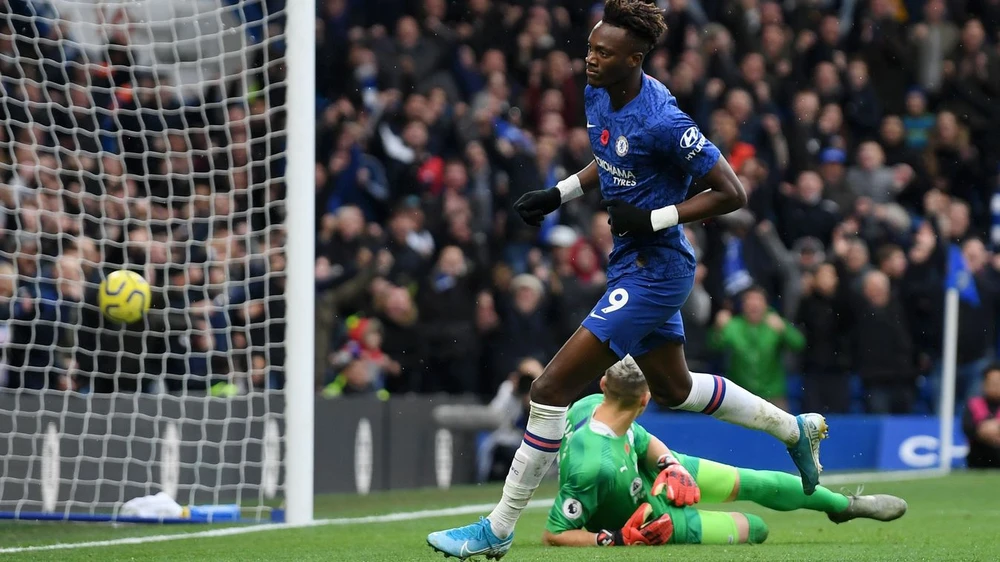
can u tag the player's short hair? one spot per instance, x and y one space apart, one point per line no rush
624 383
642 18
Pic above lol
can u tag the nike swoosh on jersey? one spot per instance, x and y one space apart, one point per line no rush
590 126
596 316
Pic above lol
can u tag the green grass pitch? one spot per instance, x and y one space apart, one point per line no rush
953 518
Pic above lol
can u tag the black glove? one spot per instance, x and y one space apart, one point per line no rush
627 219
534 205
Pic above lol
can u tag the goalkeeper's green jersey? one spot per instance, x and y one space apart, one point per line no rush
604 477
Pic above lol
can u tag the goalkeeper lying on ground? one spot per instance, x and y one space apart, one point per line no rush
619 485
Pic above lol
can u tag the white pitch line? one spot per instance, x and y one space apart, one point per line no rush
410 515
887 476
142 540
834 480
230 531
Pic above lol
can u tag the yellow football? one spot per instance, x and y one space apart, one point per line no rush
124 296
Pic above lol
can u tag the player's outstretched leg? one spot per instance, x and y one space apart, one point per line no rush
880 507
582 359
780 491
783 492
674 386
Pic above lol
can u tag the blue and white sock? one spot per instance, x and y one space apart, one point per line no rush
542 437
723 399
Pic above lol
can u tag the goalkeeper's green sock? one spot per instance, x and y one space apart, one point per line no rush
783 492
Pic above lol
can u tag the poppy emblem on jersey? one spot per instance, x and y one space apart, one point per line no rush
621 146
605 136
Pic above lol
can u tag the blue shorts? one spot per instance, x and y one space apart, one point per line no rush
636 315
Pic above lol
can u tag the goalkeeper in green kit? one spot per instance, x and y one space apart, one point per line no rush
619 485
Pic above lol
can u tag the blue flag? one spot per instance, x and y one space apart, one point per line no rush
735 276
959 277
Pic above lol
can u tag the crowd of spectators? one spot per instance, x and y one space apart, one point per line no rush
862 130
105 164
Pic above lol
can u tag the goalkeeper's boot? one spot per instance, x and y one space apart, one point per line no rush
476 539
805 453
879 507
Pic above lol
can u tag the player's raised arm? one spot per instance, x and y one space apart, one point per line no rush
685 146
534 205
725 194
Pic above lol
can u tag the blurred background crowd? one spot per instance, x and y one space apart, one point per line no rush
107 163
862 130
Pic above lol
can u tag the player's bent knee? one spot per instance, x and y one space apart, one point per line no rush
670 396
546 391
757 529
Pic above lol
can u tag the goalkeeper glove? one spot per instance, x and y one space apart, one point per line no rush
680 486
639 529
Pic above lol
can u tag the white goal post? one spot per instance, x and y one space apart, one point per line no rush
300 392
176 139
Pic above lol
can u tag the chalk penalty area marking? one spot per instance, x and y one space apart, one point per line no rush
834 480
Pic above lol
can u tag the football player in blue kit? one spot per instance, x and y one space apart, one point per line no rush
647 153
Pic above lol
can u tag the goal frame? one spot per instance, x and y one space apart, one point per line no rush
300 225
299 393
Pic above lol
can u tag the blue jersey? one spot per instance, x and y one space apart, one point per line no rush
648 152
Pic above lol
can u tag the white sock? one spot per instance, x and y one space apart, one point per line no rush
728 401
544 432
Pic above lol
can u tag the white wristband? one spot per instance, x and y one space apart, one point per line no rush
663 218
570 188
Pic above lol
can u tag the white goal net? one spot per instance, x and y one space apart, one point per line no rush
146 135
